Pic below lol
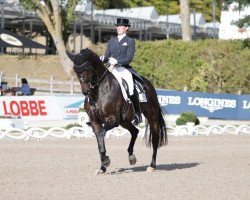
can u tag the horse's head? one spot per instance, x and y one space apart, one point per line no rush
84 68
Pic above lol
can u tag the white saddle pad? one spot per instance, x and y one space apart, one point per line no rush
142 96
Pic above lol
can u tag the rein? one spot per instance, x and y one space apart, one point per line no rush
100 80
92 83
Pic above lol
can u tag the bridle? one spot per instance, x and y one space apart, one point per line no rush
86 66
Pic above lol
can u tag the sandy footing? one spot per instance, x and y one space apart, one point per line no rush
196 167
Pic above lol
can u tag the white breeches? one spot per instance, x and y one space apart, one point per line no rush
127 76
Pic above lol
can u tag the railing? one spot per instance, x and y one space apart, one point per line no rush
45 85
87 132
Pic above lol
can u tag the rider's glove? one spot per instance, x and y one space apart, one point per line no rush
112 61
102 58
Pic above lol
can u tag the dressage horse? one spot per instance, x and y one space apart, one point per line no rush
107 108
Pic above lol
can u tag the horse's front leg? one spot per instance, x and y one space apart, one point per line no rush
105 161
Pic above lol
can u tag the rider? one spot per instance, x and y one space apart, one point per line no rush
120 52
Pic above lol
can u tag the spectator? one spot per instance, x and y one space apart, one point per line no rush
25 89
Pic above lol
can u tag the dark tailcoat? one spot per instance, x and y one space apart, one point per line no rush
122 51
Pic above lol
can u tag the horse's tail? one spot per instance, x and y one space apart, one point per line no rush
163 137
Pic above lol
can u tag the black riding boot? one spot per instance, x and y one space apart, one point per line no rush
136 103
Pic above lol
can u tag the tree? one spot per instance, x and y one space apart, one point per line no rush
107 4
243 22
57 16
206 7
185 18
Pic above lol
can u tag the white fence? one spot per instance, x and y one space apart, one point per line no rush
45 85
86 132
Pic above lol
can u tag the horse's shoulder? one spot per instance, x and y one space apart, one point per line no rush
110 80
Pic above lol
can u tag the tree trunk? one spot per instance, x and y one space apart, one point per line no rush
185 18
54 26
61 50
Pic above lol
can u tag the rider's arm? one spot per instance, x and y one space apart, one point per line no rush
107 54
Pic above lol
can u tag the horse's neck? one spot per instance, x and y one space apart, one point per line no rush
109 82
105 77
100 70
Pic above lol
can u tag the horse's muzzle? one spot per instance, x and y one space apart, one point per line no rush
85 93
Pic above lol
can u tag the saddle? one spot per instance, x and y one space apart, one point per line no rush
139 87
138 84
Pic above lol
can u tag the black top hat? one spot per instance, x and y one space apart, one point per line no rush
122 22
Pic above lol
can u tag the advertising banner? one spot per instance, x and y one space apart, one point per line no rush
216 106
41 107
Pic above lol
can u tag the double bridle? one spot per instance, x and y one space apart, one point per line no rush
91 82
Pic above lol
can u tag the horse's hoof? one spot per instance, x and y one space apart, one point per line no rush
150 169
102 170
132 159
106 162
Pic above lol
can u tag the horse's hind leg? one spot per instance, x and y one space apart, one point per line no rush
134 133
154 129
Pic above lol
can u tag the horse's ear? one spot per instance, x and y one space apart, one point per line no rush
70 55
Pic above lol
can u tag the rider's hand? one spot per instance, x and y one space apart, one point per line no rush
102 58
112 61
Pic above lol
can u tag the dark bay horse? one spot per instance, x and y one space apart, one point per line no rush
106 107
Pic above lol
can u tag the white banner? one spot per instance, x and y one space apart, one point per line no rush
41 107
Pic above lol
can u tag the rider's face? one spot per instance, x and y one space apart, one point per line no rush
121 29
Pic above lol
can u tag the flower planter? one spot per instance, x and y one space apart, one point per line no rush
190 128
190 124
13 123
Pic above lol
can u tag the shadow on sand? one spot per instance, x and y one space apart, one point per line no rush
166 167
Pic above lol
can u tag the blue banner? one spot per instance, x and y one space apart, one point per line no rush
217 106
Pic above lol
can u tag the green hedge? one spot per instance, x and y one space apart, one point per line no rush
204 65
187 117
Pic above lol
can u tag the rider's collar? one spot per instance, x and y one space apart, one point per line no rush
121 36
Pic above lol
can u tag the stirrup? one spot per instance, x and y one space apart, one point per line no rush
137 119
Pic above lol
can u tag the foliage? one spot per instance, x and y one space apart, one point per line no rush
243 22
66 12
241 3
206 7
109 4
180 121
203 66
187 117
73 125
57 16
82 109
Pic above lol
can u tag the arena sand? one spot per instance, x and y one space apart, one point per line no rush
190 167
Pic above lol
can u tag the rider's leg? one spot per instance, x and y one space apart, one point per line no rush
135 100
134 96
